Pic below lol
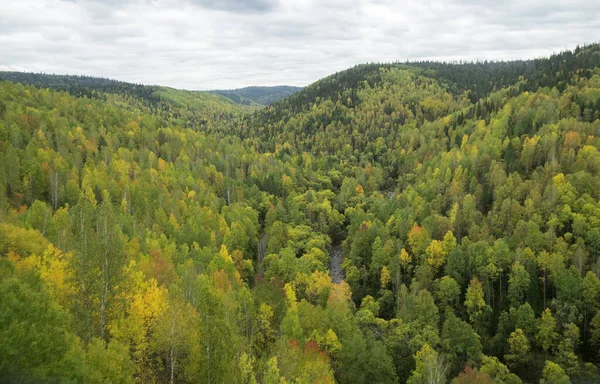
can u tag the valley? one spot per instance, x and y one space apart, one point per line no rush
416 222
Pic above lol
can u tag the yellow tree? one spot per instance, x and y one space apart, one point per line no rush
144 302
435 254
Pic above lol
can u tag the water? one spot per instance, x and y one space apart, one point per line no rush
262 247
335 269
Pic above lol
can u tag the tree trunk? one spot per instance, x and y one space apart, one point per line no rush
545 282
54 189
172 352
105 277
104 297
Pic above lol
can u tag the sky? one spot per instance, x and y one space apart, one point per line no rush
224 44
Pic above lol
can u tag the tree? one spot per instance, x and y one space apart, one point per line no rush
546 336
108 362
518 348
385 277
477 309
290 325
246 370
379 258
554 374
418 238
460 341
435 254
405 263
448 293
431 367
147 304
543 261
34 331
590 293
565 354
524 318
420 312
368 303
330 343
86 274
111 256
272 375
595 329
449 242
38 216
472 376
264 335
498 371
518 284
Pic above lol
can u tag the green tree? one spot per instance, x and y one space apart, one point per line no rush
39 217
272 375
590 293
498 371
460 342
111 257
477 309
108 362
448 293
431 367
595 329
554 374
264 335
565 354
36 341
518 348
418 238
518 284
546 335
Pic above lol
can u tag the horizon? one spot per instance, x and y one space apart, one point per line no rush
208 45
407 62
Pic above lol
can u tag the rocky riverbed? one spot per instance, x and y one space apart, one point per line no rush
337 258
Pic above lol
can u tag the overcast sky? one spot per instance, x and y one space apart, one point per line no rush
208 44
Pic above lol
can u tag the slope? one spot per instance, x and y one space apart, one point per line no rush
468 229
484 194
150 94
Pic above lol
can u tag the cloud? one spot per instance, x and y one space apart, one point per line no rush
207 44
237 6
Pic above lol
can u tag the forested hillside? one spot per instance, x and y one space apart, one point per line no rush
164 242
194 107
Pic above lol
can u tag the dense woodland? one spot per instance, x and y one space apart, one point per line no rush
169 237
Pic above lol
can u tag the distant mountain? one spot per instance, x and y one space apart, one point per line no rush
258 95
93 87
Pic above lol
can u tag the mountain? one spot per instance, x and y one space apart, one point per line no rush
96 86
391 223
258 95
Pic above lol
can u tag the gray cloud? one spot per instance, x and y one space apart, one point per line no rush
207 44
237 5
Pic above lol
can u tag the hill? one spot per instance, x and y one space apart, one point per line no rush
454 205
96 86
258 95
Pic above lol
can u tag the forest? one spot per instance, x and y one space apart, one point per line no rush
411 222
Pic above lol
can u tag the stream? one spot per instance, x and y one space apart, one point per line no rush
262 247
335 269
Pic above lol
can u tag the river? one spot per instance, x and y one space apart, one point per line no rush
335 269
